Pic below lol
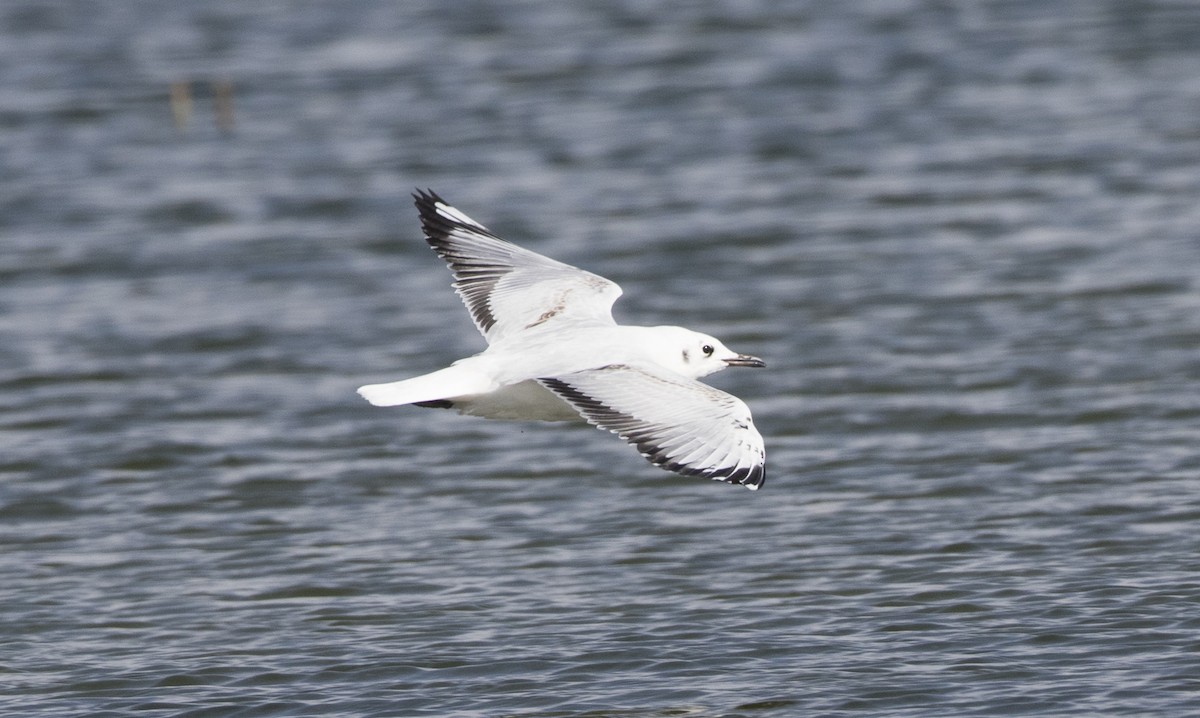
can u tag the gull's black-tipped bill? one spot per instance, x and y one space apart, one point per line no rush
745 360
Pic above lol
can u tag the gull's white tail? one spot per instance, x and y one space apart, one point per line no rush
453 381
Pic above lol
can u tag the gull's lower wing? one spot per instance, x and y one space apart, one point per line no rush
677 423
507 288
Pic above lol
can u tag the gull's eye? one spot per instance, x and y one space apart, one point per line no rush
707 349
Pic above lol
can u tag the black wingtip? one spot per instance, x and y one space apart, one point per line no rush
752 477
426 198
756 479
435 225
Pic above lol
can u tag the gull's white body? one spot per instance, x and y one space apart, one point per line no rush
501 382
555 354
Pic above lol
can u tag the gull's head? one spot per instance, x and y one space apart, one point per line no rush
694 355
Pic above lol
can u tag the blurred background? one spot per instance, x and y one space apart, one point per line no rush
963 236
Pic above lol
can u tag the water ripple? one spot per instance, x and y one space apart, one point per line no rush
963 237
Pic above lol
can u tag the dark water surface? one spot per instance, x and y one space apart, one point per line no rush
964 236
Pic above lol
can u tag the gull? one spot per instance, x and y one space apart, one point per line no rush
555 354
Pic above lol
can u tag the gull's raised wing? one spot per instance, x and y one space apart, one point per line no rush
506 288
677 423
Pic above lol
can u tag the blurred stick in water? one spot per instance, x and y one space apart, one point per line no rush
223 105
181 103
222 98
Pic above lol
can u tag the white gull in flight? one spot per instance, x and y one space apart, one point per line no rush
554 353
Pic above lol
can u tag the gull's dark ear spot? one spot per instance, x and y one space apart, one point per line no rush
686 357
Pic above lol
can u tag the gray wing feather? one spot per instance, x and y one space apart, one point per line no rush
506 288
677 423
